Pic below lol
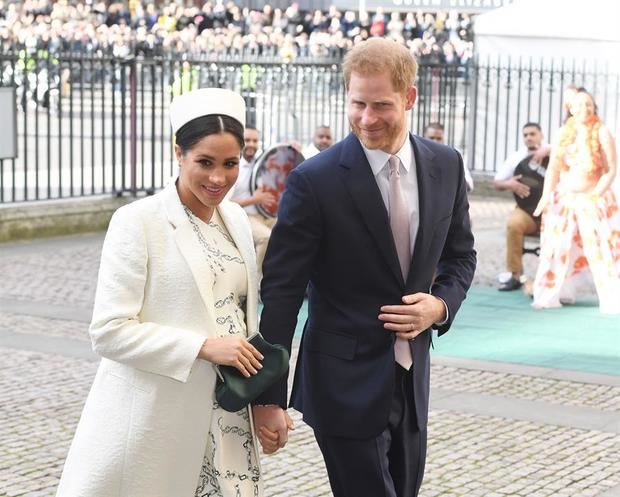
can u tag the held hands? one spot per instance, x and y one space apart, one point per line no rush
263 197
518 188
417 313
272 424
234 351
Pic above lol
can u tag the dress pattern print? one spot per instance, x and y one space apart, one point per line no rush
230 433
580 241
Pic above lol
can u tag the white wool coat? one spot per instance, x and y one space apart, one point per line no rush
144 428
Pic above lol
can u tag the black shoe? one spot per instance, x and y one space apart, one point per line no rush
512 284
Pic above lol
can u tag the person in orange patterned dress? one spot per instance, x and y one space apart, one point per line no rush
580 234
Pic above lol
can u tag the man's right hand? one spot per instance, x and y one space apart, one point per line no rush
272 424
518 188
263 197
541 153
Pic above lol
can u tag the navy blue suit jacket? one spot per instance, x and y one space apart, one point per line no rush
333 234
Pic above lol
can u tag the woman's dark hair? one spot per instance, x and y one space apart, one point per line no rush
195 130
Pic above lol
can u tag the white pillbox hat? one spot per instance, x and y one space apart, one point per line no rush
203 102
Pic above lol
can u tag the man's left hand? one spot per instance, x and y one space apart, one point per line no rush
418 312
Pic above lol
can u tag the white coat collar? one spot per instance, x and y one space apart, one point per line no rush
233 217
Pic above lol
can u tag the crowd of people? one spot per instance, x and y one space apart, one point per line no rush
219 30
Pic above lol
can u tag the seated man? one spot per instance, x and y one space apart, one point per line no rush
523 174
321 140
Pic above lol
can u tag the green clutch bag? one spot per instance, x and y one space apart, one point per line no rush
234 391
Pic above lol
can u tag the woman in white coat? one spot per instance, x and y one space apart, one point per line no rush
177 294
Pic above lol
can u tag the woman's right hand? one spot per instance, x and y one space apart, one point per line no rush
233 350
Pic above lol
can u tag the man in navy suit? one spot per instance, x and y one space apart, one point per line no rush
342 223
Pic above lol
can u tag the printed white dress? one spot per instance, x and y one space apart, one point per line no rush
230 432
580 241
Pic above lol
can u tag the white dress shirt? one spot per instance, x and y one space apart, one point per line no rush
378 160
241 190
507 169
310 151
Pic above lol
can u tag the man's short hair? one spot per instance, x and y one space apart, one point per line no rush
434 125
532 125
381 56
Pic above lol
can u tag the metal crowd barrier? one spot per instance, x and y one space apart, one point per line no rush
99 125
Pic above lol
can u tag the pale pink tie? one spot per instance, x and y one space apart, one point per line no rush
399 223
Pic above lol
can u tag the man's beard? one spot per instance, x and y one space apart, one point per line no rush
386 141
249 157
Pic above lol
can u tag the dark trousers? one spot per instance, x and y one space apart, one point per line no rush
389 465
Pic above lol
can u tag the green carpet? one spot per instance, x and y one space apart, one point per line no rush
501 326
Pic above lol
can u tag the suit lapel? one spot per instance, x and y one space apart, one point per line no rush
363 188
428 181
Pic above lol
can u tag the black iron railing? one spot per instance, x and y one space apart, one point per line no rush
99 125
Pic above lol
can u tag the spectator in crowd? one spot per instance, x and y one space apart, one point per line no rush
581 219
365 23
435 131
349 24
321 140
293 14
242 194
522 173
411 28
395 27
377 27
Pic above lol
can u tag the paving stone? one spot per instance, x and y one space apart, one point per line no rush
41 397
34 325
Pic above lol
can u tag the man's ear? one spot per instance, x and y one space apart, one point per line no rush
412 95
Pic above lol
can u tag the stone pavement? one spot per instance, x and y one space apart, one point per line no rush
495 429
